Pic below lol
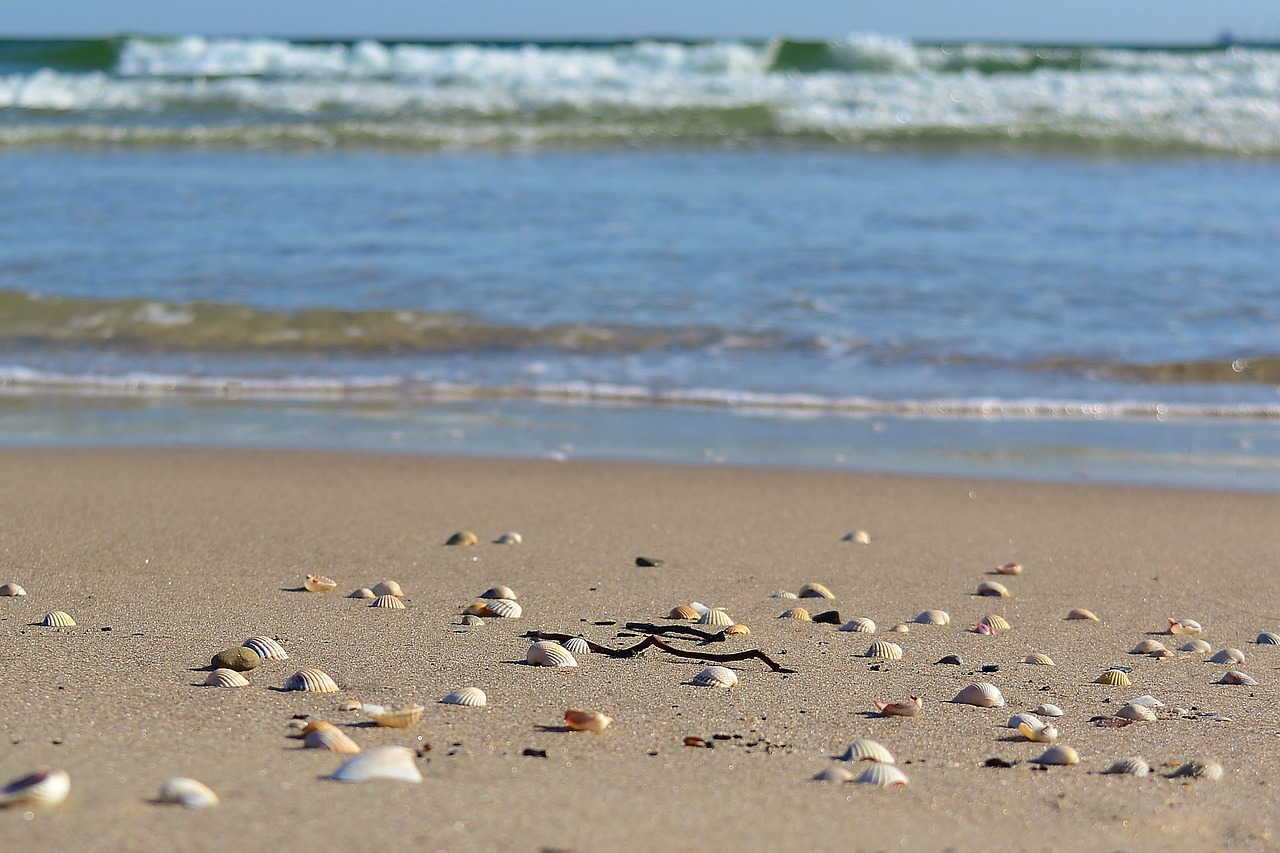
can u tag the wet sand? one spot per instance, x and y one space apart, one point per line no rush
165 557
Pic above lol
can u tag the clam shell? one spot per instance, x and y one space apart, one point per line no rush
471 697
502 608
380 762
586 721
882 776
319 583
907 708
1199 768
1059 754
1235 676
797 613
884 649
184 791
1196 646
464 538
509 538
716 618
1023 717
983 694
1266 638
1140 713
866 749
715 676
1115 678
995 621
1147 646
993 588
11 589
1047 710
58 619
1043 733
389 602
1132 766
322 735
834 773
312 680
266 648
1081 613
1184 626
815 590
388 587
241 659
1227 655
1147 701
685 612
859 625
469 619
42 789
738 630
401 717
548 653
1038 659
362 592
933 617
782 593
1009 569
901 628
226 678
577 646
499 592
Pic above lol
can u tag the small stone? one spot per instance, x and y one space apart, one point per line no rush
240 659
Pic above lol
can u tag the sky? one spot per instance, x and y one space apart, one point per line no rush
1145 21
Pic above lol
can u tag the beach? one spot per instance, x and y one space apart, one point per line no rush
166 556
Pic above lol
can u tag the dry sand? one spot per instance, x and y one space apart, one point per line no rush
165 557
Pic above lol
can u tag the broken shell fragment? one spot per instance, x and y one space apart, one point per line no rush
815 590
548 653
1059 755
322 735
1184 626
1139 713
1081 613
859 625
882 776
1199 768
470 697
312 680
42 789
319 583
509 538
500 592
982 694
578 646
184 791
58 619
885 650
388 587
715 676
993 589
1132 766
686 613
1148 646
387 602
586 721
1228 655
226 678
266 648
362 592
463 538
866 749
716 618
1048 710
380 762
1038 659
1196 646
1235 676
907 708
797 613
11 589
401 717
241 659
933 617
1114 678
1009 569
469 619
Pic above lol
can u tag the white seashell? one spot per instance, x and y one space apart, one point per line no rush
471 697
502 608
388 587
586 721
401 717
933 617
1023 717
1047 710
699 606
815 590
993 588
322 735
866 749
312 680
184 791
42 789
1147 701
1266 638
715 676
226 678
380 762
469 619
362 592
500 591
389 602
548 653
799 614
1228 655
266 648
1235 676
11 589
1082 613
901 628
1058 755
995 622
1044 733
782 593
1140 713
1114 678
885 650
1199 768
1132 766
834 773
983 694
716 618
577 646
509 538
58 619
1184 626
859 625
1196 646
1038 659
1148 646
882 776
319 583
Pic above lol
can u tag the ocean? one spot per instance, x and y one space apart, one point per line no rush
1051 262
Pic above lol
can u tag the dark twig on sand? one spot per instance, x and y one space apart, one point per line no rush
653 640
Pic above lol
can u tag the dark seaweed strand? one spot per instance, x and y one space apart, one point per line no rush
653 640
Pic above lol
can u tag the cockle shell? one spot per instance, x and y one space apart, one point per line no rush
500 592
1266 638
241 659
797 613
686 613
1081 613
1048 710
586 721
815 590
11 589
866 749
312 680
58 619
907 708
42 789
715 676
716 618
885 650
1043 733
471 697
509 538
1038 659
362 592
463 537
469 619
400 717
1009 569
1023 717
933 617
388 587
322 735
859 625
380 762
266 648
782 593
1132 766
1140 713
882 776
1058 755
834 773
995 622
1227 655
388 602
951 660
983 694
548 653
184 791
1199 768
1114 677
1147 646
502 608
577 646
1196 646
1184 626
223 677
1235 676
319 583
993 588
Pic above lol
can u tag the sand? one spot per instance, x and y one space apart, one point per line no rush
165 557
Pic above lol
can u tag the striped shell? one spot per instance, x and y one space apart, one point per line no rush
58 619
933 617
1228 655
322 735
815 590
469 619
738 630
995 622
884 649
1081 613
388 588
716 618
1043 733
11 589
470 697
1132 766
401 717
509 538
319 583
834 773
184 791
362 592
548 653
797 613
42 789
1009 569
984 694
1184 626
1140 713
1196 646
1047 710
312 680
266 648
1148 646
866 749
1266 638
500 592
502 608
226 678
577 646
715 676
463 537
782 593
1114 678
1199 768
859 625
1058 755
1038 659
993 588
586 721
685 612
882 776
1235 676
389 602
380 762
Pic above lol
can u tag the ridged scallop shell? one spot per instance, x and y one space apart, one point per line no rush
581 720
716 618
815 590
1132 766
266 648
185 791
715 676
312 680
389 602
1227 655
42 789
1266 638
469 619
58 619
362 592
866 749
996 622
1081 613
502 608
1147 646
548 653
1038 659
933 617
685 612
1141 713
1235 676
983 694
471 697
782 593
1115 678
500 591
319 583
1059 754
882 776
993 588
577 646
1199 768
737 630
1043 733
226 678
1184 626
1196 646
834 773
797 613
11 589
464 538
388 587
1009 569
322 735
1023 717
400 717
859 625
1048 710
509 538
380 762
885 650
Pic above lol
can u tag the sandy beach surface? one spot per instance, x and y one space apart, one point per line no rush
165 557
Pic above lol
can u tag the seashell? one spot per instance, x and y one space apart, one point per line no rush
993 588
862 537
1227 655
1132 766
738 630
901 628
353 705
509 538
548 653
866 749
908 708
469 619
184 791
1043 733
500 592
58 619
1164 654
266 648
859 625
1199 768
715 676
1266 638
1114 677
1009 569
1184 626
471 697
953 660
1038 659
1081 613
380 762
576 646
995 622
42 789
797 613
686 613
884 649
464 538
650 562
586 721
699 606
882 776
319 583
716 618
1058 755
11 589
226 678
933 617
1147 646
1023 717
782 593
1147 701
322 735
312 680
983 694
1139 713
241 659
362 592
388 588
834 773
1235 676
815 590
1047 710
388 602
401 717
502 608
1196 646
